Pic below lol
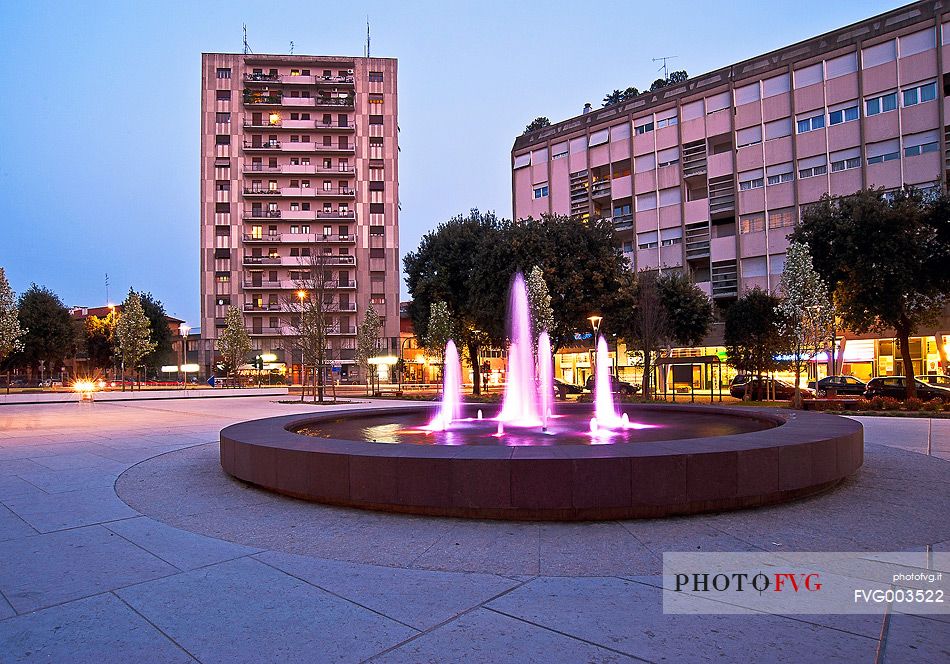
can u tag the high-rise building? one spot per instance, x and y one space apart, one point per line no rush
299 198
712 174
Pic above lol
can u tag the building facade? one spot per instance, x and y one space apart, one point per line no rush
711 175
299 198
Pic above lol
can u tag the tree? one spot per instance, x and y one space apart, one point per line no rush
673 78
100 339
10 330
47 329
439 330
367 344
658 310
234 342
539 300
133 334
620 96
751 335
885 258
805 314
538 123
161 333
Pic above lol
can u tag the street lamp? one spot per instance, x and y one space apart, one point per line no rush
183 329
595 322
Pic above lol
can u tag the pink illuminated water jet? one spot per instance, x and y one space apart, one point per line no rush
451 408
522 405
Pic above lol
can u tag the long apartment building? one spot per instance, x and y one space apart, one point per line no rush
299 188
712 174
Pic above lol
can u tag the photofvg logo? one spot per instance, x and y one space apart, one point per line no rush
805 582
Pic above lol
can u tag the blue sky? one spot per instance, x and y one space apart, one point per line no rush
99 124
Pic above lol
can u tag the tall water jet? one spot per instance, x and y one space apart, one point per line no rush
546 375
520 406
451 406
604 409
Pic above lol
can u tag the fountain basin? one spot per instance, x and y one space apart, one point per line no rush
801 454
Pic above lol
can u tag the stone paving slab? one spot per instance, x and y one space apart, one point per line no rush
915 639
12 526
246 611
177 547
100 629
48 569
628 617
484 636
72 509
419 598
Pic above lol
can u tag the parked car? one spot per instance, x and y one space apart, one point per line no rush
942 380
617 386
840 385
760 389
563 389
896 387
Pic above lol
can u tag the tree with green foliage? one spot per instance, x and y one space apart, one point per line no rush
538 123
658 310
234 342
752 337
162 335
886 259
539 301
47 330
10 331
673 78
99 332
133 333
805 313
367 345
439 330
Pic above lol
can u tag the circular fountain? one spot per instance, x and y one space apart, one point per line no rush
533 460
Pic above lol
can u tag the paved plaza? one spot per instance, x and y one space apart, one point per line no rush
122 540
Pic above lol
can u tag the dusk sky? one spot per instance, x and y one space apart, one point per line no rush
99 138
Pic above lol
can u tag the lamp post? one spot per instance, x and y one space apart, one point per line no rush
595 322
183 329
302 296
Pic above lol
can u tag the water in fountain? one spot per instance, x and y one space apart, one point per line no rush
546 376
604 409
451 408
521 405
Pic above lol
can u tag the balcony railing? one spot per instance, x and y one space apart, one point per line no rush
262 191
333 125
266 145
250 124
256 213
333 101
341 283
342 329
305 169
262 260
261 77
260 306
270 237
258 99
262 283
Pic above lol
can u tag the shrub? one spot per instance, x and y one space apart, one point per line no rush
890 403
935 405
876 403
913 404
865 404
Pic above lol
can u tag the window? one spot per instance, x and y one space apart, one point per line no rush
778 129
881 104
628 247
812 171
376 77
646 201
781 218
779 178
646 162
751 180
376 119
222 277
749 136
648 240
559 151
644 128
670 196
222 185
671 236
222 139
883 151
224 72
667 122
375 99
668 157
222 118
541 191
222 208
919 94
918 144
845 164
840 115
810 124
751 223
222 95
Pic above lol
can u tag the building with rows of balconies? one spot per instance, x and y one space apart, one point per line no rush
299 185
711 175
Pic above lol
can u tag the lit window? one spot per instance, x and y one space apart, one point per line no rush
781 219
752 223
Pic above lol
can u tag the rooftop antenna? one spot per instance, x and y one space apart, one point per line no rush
367 35
247 48
291 46
666 74
107 288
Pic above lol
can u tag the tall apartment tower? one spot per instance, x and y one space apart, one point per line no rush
299 192
712 174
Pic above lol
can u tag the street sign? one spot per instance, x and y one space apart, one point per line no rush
211 381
